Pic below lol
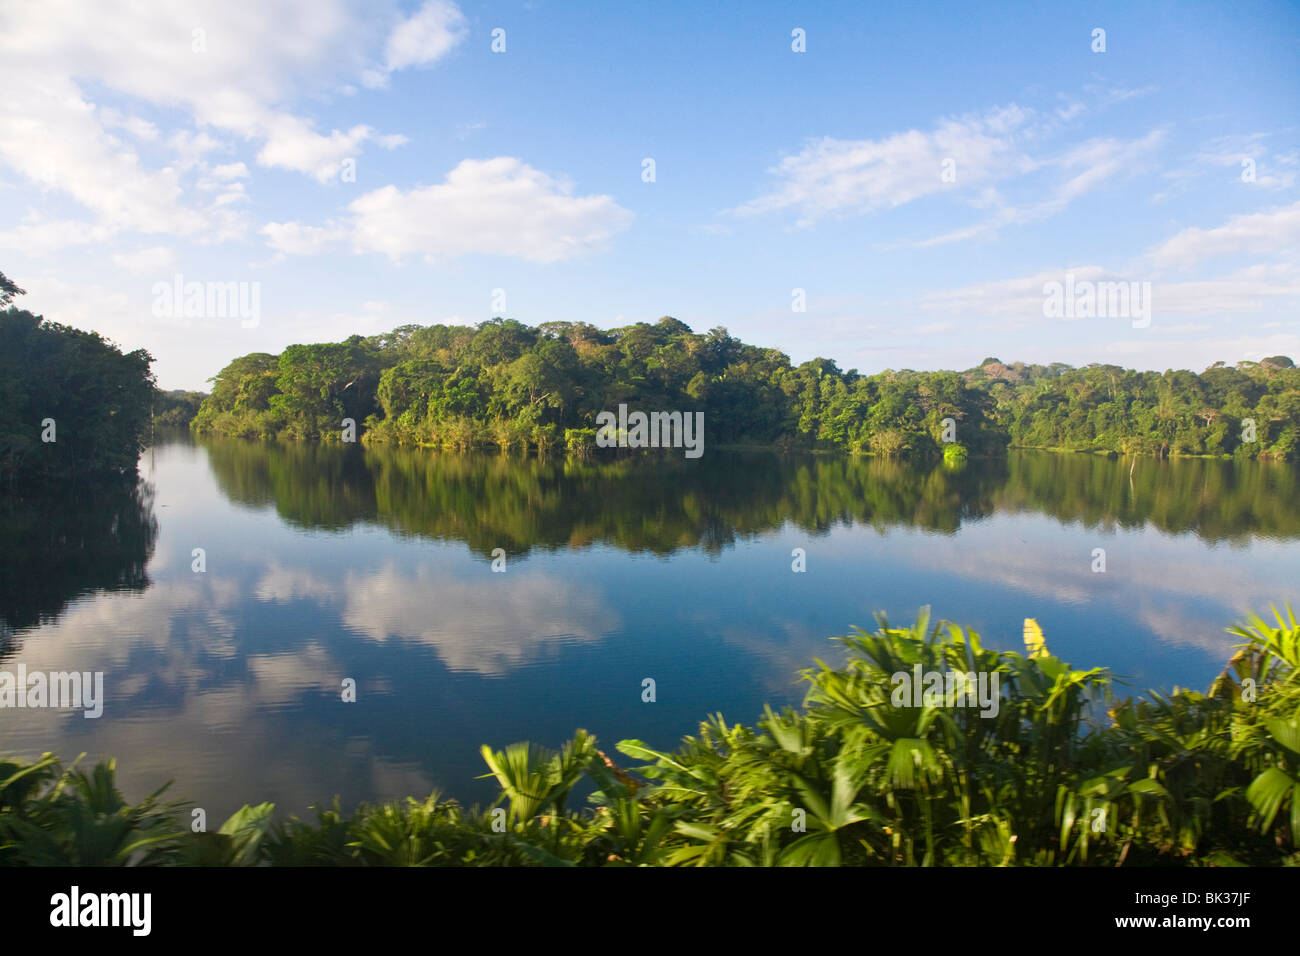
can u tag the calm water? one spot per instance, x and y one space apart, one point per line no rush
325 563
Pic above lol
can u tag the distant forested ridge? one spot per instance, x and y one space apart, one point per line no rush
75 407
508 384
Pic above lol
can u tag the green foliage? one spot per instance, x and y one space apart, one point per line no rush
8 289
580 441
177 408
1108 408
98 398
506 384
853 778
55 817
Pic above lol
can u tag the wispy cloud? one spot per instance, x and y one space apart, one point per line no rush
967 157
832 177
1276 232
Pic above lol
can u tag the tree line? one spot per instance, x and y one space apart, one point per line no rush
506 384
77 409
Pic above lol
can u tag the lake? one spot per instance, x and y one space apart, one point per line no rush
327 562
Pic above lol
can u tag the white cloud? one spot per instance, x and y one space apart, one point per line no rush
831 177
1021 297
1095 161
1264 288
1279 170
230 171
233 195
38 235
835 177
233 66
51 135
1252 289
190 147
1071 110
137 127
296 239
155 259
498 206
1099 160
292 144
427 36
1273 232
1227 157
1195 351
1249 290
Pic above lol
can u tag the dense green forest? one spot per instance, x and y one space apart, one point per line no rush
1062 773
75 407
508 384
176 408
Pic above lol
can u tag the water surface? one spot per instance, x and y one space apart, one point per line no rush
375 564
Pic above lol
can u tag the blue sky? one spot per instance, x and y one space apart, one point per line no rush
133 149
